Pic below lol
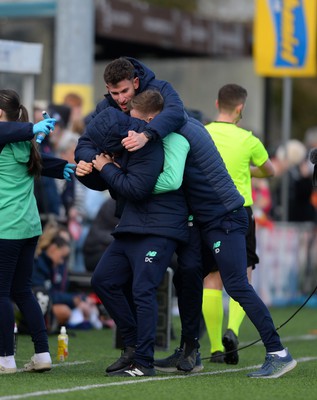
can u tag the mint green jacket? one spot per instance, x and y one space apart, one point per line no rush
176 148
18 209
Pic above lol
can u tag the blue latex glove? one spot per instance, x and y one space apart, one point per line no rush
68 170
45 126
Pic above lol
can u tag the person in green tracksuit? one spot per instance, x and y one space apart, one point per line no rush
20 227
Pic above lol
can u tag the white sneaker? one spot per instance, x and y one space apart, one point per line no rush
4 370
34 366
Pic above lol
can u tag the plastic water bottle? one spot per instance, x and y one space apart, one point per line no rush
15 338
41 136
62 345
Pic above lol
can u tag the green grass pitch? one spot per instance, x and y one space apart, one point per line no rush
90 352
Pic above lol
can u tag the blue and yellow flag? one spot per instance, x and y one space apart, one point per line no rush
285 38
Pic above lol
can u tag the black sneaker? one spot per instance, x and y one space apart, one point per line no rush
134 370
169 364
189 360
217 357
230 341
124 361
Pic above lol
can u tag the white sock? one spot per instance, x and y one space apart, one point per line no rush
43 357
94 319
8 362
281 353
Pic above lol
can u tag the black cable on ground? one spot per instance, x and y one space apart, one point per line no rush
279 327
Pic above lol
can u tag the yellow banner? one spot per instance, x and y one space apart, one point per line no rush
60 90
285 38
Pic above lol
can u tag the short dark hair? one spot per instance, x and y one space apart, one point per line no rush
118 70
230 96
149 101
60 242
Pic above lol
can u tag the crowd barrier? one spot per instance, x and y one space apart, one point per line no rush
287 272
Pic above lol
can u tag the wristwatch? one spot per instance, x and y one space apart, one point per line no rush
148 135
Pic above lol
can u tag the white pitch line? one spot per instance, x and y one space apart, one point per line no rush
62 364
136 381
286 339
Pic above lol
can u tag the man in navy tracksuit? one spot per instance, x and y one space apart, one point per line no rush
149 230
218 210
125 78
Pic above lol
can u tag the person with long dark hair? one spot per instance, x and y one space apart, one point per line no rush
20 164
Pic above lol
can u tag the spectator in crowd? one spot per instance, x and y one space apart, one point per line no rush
51 273
38 108
262 202
48 198
292 164
310 141
76 121
80 204
310 138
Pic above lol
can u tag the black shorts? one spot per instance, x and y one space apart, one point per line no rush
252 258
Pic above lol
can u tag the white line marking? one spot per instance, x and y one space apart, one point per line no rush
136 381
286 339
62 364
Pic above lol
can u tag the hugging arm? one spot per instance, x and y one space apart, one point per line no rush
176 148
137 179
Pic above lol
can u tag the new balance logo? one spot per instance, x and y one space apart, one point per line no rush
151 253
216 246
149 256
134 372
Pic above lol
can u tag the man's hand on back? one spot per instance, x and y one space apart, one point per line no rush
134 141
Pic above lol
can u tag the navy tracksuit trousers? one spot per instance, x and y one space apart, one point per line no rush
16 266
188 282
227 243
141 261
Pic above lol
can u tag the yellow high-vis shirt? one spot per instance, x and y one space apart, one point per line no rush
239 149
